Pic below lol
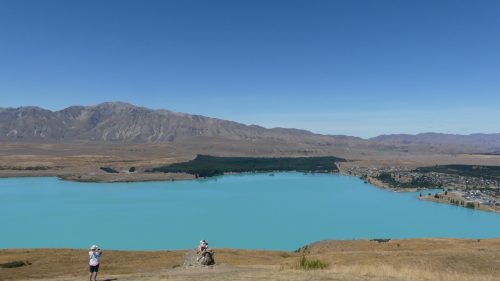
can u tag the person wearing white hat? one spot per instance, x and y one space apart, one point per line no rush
94 256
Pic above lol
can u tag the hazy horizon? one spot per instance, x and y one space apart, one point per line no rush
358 68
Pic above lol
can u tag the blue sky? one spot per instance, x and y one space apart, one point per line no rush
360 68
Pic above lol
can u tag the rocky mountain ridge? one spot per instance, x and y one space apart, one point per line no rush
126 123
122 122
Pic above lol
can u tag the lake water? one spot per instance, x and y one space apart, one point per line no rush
253 211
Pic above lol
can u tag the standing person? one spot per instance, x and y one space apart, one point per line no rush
94 255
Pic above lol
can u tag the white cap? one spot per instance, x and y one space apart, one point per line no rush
94 247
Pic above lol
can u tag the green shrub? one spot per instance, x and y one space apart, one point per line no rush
109 170
307 264
470 205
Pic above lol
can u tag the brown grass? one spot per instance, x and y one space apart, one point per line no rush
412 260
75 159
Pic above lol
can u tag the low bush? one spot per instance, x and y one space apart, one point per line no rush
14 264
307 264
109 170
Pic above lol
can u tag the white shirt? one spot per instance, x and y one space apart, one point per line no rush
94 258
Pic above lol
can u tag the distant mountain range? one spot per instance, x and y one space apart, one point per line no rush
125 123
484 141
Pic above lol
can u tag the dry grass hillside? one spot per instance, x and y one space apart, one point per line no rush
415 259
82 161
74 143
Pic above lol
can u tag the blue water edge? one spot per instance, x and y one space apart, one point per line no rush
251 211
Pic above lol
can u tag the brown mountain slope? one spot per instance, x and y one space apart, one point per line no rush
118 122
122 122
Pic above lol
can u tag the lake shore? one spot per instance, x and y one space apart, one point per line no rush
456 195
158 176
128 177
349 260
83 162
101 177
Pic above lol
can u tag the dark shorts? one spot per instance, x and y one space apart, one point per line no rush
94 268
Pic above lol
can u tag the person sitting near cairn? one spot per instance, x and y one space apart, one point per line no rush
202 247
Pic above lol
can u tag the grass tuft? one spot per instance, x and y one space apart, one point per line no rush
308 264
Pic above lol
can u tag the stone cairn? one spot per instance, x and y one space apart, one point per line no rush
191 259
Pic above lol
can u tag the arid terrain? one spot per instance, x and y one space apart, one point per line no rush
74 143
417 259
84 159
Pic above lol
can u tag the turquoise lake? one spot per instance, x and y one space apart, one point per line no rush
253 211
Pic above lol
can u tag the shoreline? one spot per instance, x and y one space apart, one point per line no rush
376 240
138 177
142 176
103 178
458 191
445 199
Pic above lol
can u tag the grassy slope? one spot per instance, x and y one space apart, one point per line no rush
416 259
